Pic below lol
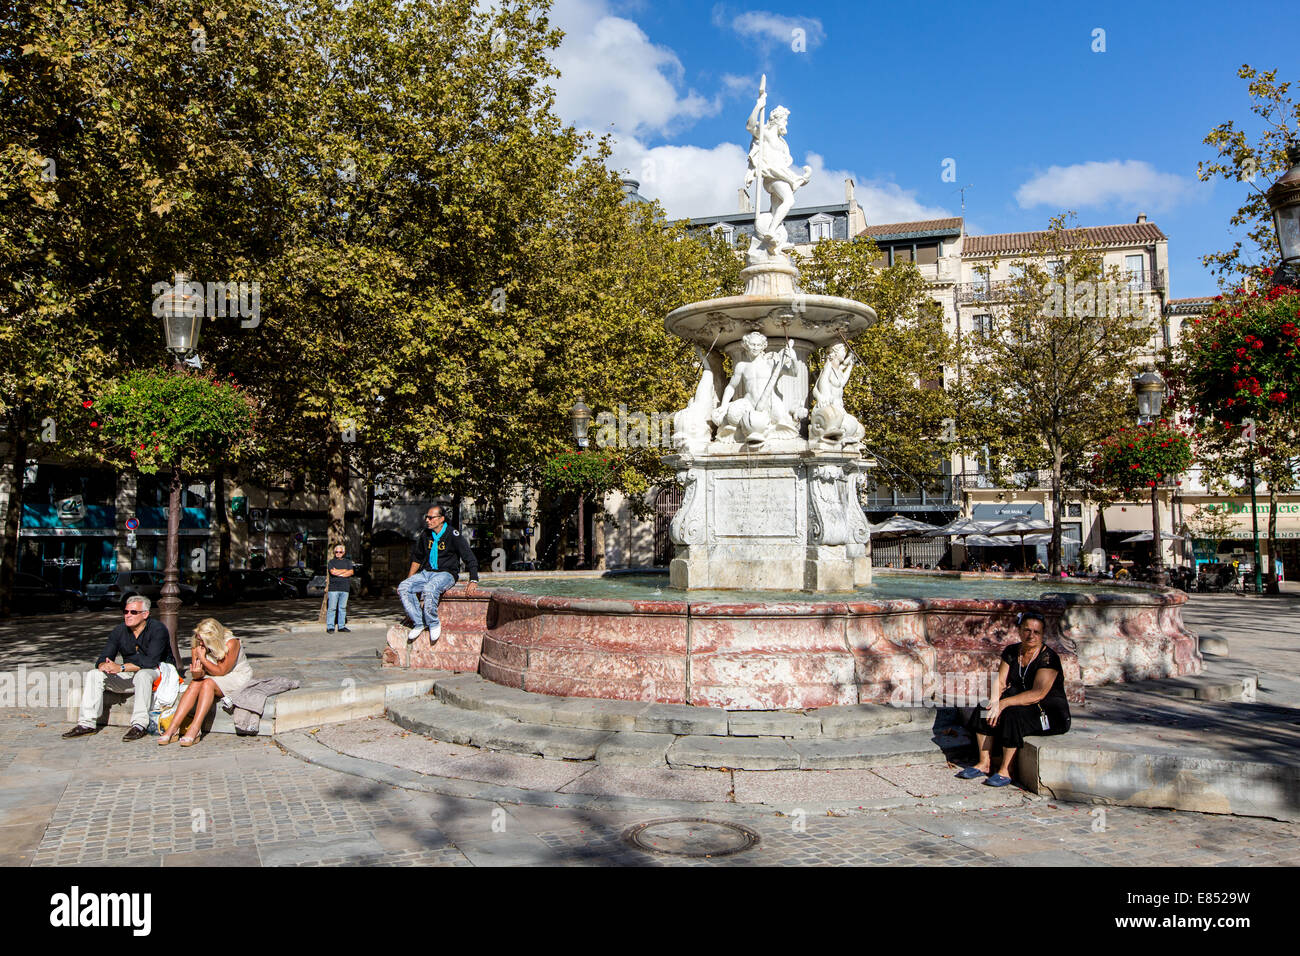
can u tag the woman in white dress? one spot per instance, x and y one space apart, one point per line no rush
218 669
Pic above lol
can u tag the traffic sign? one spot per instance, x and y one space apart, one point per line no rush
132 524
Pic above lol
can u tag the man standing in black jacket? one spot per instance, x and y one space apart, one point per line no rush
144 644
435 566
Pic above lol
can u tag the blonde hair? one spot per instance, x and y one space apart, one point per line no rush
215 637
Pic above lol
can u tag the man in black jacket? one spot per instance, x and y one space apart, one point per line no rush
435 565
144 645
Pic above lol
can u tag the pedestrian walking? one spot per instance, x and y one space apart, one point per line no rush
339 575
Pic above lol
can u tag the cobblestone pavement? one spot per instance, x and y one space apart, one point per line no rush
241 801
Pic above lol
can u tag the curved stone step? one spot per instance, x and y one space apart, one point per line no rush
445 721
471 692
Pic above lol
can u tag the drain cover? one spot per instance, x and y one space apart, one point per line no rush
691 836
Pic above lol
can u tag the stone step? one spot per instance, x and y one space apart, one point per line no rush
445 721
1144 776
1199 687
472 692
1213 645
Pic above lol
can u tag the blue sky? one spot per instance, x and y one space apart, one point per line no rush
1034 120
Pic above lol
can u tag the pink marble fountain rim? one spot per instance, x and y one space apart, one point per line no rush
1167 597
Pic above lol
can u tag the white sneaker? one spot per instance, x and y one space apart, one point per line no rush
435 632
414 632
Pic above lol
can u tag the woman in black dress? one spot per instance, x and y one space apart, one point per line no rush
1030 692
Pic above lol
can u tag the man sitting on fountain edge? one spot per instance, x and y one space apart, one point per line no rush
435 566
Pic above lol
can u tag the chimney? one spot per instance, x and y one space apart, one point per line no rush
630 186
1142 217
848 191
745 203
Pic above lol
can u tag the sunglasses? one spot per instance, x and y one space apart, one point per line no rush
431 517
133 612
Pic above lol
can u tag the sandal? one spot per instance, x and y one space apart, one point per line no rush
189 741
166 739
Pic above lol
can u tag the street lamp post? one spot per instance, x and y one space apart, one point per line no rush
182 315
580 421
1150 389
1248 430
1284 201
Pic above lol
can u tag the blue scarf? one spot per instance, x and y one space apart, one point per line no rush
435 537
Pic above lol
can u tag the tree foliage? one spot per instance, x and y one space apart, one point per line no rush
1142 457
1052 380
896 391
154 420
1252 158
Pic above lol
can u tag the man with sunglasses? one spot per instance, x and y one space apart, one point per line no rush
435 565
143 644
340 572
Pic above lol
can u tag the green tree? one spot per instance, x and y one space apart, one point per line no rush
1242 363
1052 380
897 391
1253 158
122 141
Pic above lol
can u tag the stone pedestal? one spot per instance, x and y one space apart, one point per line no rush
772 520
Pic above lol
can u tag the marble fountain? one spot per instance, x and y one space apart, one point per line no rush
769 602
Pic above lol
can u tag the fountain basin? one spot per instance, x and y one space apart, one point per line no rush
794 654
813 321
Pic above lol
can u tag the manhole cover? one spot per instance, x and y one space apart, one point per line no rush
691 836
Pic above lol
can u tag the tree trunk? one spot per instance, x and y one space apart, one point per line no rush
338 493
13 514
499 523
368 531
598 537
1054 552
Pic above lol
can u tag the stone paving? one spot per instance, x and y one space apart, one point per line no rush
242 801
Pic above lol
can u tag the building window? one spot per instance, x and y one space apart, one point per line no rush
1135 266
927 255
726 231
1074 510
819 227
983 325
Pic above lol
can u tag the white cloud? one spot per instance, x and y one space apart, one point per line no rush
691 181
1128 182
772 28
612 74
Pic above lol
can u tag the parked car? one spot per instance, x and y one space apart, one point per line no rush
297 577
317 586
112 588
245 586
33 595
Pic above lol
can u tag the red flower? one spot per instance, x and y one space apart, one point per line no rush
94 424
1151 484
1257 344
133 453
87 404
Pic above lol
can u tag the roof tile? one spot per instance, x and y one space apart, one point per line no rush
1124 234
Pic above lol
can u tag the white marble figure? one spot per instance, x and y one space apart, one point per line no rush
692 426
771 163
830 425
752 410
